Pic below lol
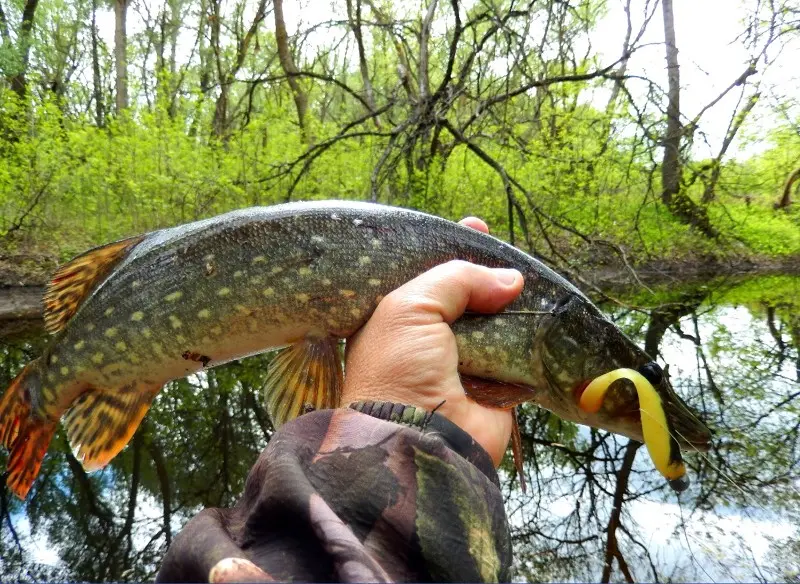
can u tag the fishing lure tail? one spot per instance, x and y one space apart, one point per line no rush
24 435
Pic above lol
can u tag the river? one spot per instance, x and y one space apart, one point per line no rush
732 349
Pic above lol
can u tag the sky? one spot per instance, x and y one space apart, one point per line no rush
710 58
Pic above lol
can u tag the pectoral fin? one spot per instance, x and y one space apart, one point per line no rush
497 394
305 375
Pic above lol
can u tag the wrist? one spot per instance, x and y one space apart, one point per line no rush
488 427
438 427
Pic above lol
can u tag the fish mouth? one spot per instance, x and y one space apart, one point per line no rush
621 408
661 414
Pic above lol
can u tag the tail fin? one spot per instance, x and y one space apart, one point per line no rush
25 436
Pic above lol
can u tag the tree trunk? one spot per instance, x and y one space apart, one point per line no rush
288 66
18 80
204 54
203 51
677 201
671 165
5 37
97 81
403 67
355 24
612 550
227 78
786 199
162 83
221 106
221 112
175 83
623 63
121 54
424 38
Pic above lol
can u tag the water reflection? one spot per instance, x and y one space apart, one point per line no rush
602 512
595 508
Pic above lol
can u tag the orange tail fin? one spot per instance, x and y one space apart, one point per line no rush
25 436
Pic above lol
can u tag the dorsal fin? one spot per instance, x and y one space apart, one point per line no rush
74 281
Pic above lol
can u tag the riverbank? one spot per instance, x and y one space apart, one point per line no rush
688 270
22 285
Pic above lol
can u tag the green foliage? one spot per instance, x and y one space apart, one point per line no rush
72 185
762 229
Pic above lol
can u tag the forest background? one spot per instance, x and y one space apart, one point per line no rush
502 109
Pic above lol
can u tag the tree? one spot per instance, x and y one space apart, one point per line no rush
121 54
671 173
289 68
15 76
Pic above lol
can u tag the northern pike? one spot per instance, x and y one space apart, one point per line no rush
132 315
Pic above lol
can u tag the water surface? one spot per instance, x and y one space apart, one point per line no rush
594 500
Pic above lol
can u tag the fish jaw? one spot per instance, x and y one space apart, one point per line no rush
576 345
621 412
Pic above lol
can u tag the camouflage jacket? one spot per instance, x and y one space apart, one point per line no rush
377 492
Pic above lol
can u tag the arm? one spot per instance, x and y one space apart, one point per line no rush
375 492
384 489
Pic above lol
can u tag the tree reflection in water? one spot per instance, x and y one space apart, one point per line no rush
595 509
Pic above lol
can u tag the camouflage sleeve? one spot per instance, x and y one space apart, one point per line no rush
377 492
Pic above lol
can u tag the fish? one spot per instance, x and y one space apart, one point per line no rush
130 316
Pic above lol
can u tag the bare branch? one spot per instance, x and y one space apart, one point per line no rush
312 75
612 546
741 80
786 199
483 105
733 128
451 58
355 25
424 38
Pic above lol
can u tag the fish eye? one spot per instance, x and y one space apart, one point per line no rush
652 372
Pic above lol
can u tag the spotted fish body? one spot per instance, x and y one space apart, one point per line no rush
133 315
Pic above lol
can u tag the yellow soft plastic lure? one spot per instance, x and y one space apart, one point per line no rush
654 420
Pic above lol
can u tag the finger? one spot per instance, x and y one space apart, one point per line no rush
475 223
237 570
446 291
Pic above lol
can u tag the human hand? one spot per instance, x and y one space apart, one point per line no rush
406 353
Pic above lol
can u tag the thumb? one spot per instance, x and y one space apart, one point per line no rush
446 291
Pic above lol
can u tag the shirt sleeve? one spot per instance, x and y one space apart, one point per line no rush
377 492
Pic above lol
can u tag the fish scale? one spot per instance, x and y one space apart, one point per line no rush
135 314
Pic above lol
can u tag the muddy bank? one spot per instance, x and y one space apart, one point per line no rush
21 311
688 271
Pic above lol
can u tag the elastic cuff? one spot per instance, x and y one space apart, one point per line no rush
429 422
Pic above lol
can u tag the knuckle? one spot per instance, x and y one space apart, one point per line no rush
393 302
405 307
457 266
